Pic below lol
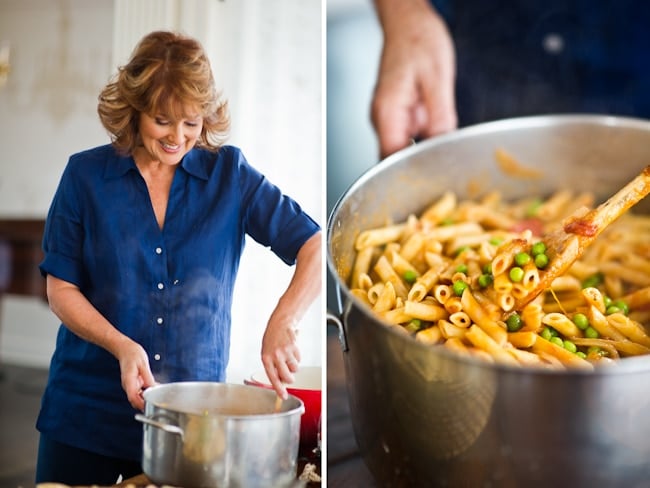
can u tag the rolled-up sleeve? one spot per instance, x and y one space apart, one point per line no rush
272 218
63 234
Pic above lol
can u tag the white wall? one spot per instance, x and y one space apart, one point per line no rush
60 56
266 56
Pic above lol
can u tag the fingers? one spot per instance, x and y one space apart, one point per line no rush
404 114
135 373
414 96
439 110
280 352
391 115
280 371
133 387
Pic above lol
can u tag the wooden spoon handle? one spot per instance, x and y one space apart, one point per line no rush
565 246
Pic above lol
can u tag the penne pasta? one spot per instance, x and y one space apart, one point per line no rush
456 276
386 298
425 311
562 324
379 236
361 266
482 319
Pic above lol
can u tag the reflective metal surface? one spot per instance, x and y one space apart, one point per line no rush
425 417
220 435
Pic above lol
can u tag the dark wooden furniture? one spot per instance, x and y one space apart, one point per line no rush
20 254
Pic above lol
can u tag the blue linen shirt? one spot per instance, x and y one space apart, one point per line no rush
549 56
170 290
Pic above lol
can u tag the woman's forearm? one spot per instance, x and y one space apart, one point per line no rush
81 317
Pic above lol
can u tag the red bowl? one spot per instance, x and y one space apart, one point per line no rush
306 386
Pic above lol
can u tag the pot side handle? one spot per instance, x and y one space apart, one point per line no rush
336 321
171 429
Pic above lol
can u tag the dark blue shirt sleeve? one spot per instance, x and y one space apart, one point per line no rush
272 218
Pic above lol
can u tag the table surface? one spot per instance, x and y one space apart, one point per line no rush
345 467
141 480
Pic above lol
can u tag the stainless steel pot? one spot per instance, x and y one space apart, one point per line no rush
425 417
217 435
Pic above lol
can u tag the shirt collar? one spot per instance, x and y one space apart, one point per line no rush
192 163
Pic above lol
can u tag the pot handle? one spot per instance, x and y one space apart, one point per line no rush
336 321
171 429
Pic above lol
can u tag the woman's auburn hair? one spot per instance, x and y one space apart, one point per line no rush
167 72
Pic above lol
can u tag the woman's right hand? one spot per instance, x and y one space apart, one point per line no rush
81 317
135 371
414 94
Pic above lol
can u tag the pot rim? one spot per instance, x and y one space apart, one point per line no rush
299 409
629 365
260 378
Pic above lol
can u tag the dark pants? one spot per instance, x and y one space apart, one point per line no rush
60 463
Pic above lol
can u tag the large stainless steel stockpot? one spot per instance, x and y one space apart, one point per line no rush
425 417
219 435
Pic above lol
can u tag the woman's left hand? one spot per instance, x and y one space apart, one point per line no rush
280 354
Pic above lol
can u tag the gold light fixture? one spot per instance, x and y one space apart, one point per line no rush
4 62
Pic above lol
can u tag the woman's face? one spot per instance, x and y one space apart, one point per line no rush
167 140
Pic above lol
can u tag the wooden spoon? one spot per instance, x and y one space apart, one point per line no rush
566 245
278 403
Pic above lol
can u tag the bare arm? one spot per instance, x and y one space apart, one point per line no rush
81 317
280 353
414 94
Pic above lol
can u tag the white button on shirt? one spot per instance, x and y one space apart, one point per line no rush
553 43
159 250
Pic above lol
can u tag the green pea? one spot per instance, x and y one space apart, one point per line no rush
447 221
541 261
593 281
514 322
581 321
485 280
595 350
459 287
516 274
612 309
414 325
581 355
410 276
591 333
557 341
496 241
546 333
570 346
607 301
538 248
625 308
522 258
461 250
461 268
533 208
487 268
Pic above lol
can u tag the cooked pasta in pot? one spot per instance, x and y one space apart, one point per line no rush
453 275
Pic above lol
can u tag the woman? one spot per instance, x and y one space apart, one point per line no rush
142 244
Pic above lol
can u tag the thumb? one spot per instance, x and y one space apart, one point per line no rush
437 114
146 377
